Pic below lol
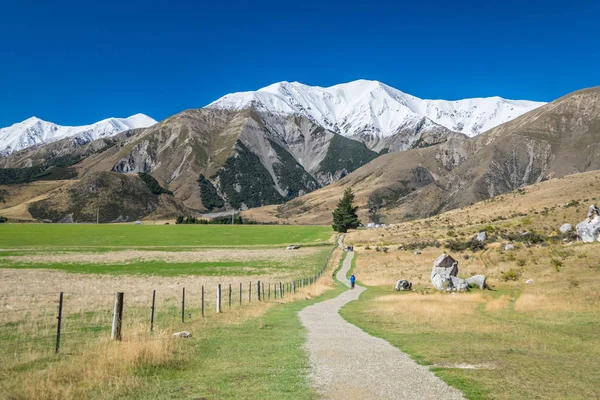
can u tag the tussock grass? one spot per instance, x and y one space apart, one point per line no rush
518 340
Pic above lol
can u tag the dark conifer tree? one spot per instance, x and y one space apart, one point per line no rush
344 216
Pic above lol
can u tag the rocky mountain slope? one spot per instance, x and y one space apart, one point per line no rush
378 115
106 197
552 141
209 159
35 131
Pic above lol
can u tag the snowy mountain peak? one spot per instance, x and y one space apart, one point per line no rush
371 107
34 131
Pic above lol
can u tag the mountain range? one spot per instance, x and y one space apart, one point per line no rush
558 139
295 147
378 114
34 131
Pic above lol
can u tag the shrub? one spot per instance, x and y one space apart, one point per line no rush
3 219
419 245
153 184
510 275
558 264
489 229
238 220
461 245
572 203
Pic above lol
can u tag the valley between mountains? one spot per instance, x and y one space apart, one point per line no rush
285 153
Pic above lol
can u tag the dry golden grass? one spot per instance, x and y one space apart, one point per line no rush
129 256
104 369
415 308
539 338
519 209
21 196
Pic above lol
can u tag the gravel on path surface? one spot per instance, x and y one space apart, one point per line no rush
347 363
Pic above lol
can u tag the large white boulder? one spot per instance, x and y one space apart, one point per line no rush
589 229
443 269
459 283
478 280
403 285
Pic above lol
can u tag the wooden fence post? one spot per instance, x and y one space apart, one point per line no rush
183 305
59 321
258 290
294 286
230 295
117 317
152 313
218 298
269 290
280 290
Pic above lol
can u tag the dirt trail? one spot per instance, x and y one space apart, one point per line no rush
347 363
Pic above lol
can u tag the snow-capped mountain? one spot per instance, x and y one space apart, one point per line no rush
369 110
34 131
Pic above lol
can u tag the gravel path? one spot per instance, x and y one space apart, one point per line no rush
347 363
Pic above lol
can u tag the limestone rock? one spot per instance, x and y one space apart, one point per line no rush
481 237
478 280
509 247
403 285
589 229
182 334
459 283
565 228
444 267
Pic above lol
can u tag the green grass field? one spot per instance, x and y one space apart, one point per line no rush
130 236
101 259
261 358
302 266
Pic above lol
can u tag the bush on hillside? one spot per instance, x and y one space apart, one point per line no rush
208 194
457 245
153 184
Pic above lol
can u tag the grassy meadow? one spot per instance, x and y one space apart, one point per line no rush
89 263
532 335
23 236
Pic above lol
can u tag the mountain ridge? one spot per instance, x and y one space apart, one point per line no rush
35 131
558 139
373 112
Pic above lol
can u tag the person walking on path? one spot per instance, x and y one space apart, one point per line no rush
352 280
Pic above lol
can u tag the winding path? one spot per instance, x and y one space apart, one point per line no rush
347 363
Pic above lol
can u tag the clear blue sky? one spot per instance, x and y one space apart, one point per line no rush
71 62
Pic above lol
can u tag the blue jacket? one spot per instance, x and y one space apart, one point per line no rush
352 279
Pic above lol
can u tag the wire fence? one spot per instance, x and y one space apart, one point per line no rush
37 325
